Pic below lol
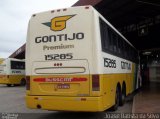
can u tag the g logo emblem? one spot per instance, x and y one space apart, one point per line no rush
59 23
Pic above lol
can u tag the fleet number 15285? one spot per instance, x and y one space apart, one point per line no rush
58 56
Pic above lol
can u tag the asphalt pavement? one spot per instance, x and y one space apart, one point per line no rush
12 105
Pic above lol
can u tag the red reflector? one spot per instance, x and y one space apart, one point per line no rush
40 80
27 82
95 83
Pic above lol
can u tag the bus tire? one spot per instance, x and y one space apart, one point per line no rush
15 84
115 106
23 82
9 85
122 96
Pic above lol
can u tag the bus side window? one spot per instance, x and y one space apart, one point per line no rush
106 40
114 38
17 65
126 50
104 35
122 47
118 46
130 53
110 34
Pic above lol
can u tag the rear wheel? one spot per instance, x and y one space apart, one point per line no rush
15 84
9 85
122 96
115 107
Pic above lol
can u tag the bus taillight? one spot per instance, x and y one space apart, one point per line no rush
27 82
95 83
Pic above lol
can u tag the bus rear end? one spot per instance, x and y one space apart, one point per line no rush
3 76
4 72
12 72
59 61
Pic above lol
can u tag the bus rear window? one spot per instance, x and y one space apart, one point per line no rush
17 65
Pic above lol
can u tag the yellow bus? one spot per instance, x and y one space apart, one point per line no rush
77 61
12 72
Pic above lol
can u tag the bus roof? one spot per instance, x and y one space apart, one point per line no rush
85 7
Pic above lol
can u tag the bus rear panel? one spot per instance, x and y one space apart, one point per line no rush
59 61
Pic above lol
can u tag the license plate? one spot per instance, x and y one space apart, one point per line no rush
63 86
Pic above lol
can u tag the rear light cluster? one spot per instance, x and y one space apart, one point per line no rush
57 64
95 83
58 10
27 82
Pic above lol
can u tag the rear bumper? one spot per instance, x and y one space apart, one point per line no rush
12 79
91 104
